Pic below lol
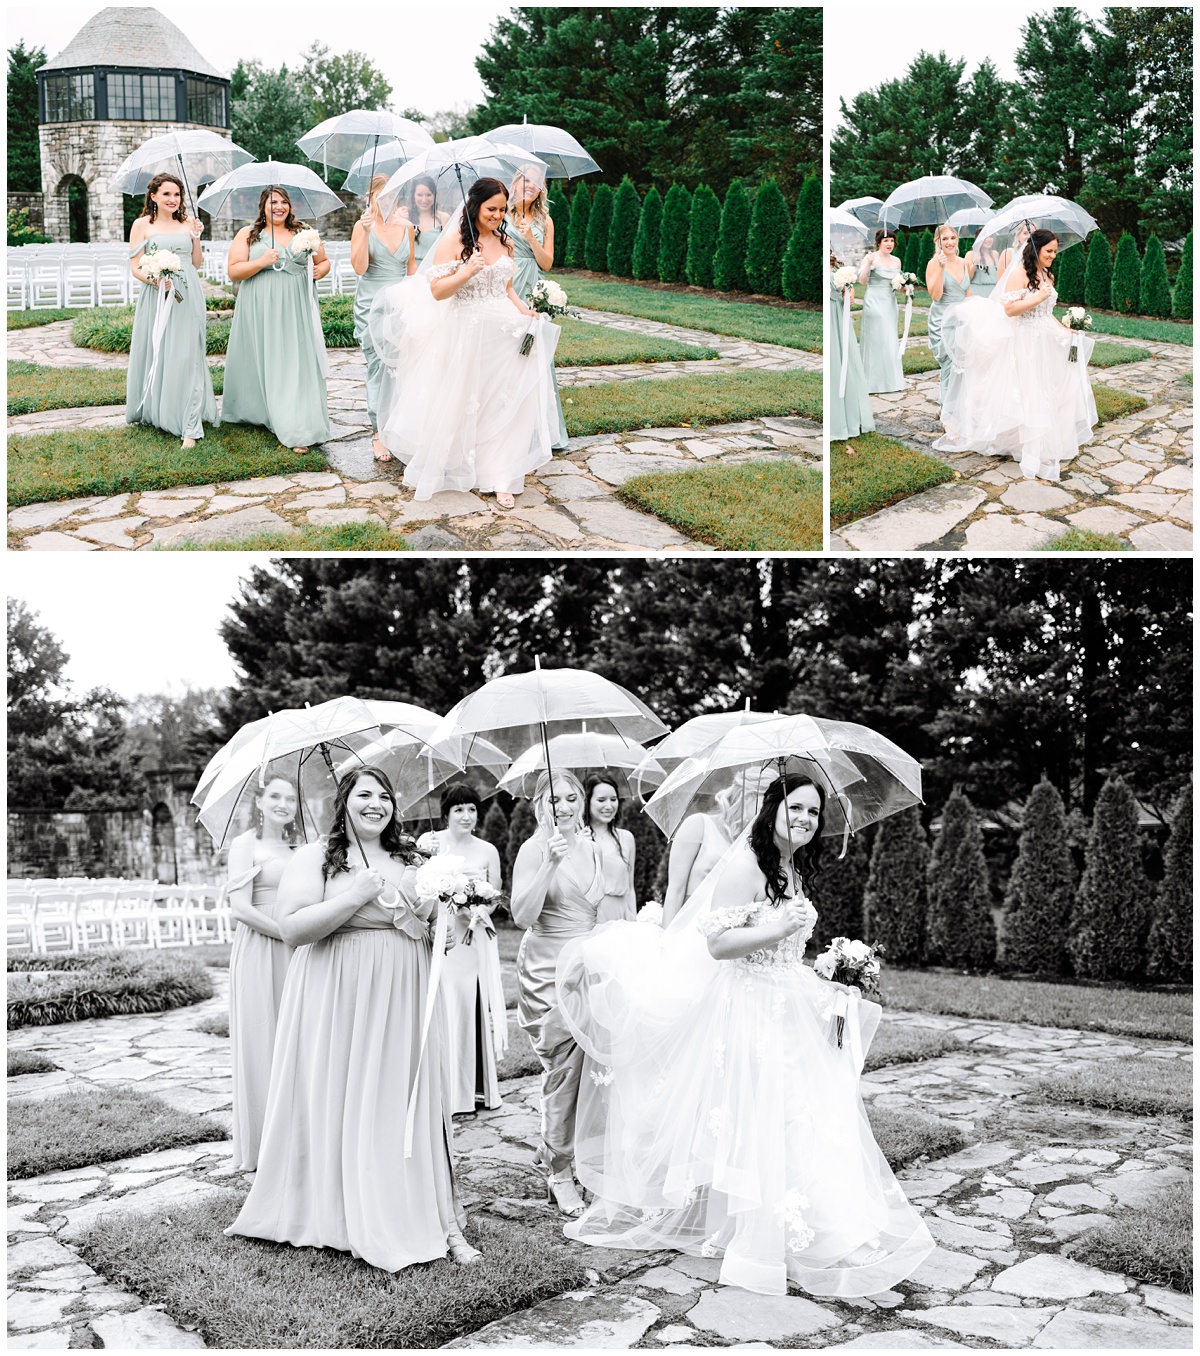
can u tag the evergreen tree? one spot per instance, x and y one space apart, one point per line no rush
1169 949
704 225
494 830
911 257
1155 294
560 215
673 235
649 847
24 155
622 234
729 262
1068 275
803 276
926 249
961 932
521 825
1108 923
901 244
272 115
581 208
1181 299
894 900
1097 279
839 892
770 226
645 245
658 888
1127 277
1041 888
595 250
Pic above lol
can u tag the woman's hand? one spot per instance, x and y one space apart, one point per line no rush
474 264
792 916
196 228
558 847
268 257
368 885
369 217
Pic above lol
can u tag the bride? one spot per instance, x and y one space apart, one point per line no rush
722 1117
1012 388
466 409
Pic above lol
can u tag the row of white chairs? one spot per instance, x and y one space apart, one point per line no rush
49 277
123 915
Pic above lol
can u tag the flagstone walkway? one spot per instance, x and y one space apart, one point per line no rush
1133 482
1003 1211
568 505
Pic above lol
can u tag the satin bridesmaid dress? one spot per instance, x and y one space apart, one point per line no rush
953 292
426 242
880 348
849 414
528 273
386 267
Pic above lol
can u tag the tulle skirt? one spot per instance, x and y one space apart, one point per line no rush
724 1120
1012 389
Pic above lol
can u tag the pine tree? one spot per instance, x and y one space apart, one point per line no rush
770 226
672 241
894 900
1068 275
704 226
1181 298
1169 949
838 895
911 256
1126 277
926 249
645 246
1108 922
521 825
495 831
901 244
581 209
1155 290
595 250
961 932
803 276
622 234
1041 888
560 215
1097 280
729 262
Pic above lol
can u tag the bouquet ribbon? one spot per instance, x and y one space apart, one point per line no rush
846 1021
436 966
907 321
161 315
318 332
493 989
847 293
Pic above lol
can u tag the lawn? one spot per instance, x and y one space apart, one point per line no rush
895 1044
904 1136
109 329
1079 539
1113 404
27 320
28 1062
1113 355
1138 327
32 388
1142 1087
1152 1244
918 360
585 345
753 506
308 537
43 990
871 471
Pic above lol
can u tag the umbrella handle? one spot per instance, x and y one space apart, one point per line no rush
358 841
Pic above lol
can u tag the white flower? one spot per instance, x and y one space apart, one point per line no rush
159 262
858 951
484 890
458 897
825 964
1077 313
306 241
845 276
438 877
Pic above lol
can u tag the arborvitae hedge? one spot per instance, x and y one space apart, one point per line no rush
1041 888
894 901
901 243
729 262
581 207
960 930
838 895
770 227
926 249
1155 290
704 226
649 847
1097 279
495 831
623 232
1108 923
911 255
1169 949
1127 277
673 235
1068 275
803 276
645 246
1181 299
595 251
522 825
560 215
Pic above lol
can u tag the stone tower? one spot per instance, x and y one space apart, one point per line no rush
127 75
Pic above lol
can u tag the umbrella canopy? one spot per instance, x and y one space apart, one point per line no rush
197 156
342 140
577 752
386 158
236 194
968 221
1065 218
930 200
846 231
564 157
692 738
865 210
455 165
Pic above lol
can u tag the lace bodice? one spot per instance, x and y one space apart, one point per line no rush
785 955
1042 312
489 284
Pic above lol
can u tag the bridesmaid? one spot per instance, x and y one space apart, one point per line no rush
428 222
849 414
471 982
615 848
880 316
948 279
174 392
332 1169
258 963
984 259
381 253
275 366
533 246
557 886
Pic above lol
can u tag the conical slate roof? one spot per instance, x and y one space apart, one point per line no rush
120 36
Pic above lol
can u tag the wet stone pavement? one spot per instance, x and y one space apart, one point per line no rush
1004 1211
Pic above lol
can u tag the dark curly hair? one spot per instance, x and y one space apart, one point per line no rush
461 793
588 787
807 857
150 207
1036 243
479 192
394 842
260 221
884 233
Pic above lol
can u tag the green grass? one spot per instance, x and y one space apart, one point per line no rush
871 471
109 329
905 1136
245 1293
1152 1244
32 388
1079 539
1113 355
585 345
895 1044
615 407
519 1060
27 320
918 328
753 506
215 1024
1142 1087
790 327
1113 404
43 990
97 1125
308 537
1138 327
1122 1012
67 464
917 360
28 1062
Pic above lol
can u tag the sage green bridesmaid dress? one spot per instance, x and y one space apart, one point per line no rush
384 269
176 393
880 347
849 415
953 292
528 273
274 373
427 242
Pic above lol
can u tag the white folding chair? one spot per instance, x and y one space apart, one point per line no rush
54 920
133 913
169 917
207 913
95 917
22 911
345 278
45 286
112 284
17 287
79 284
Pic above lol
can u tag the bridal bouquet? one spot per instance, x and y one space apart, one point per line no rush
443 881
852 963
548 299
845 276
904 282
158 264
307 241
1076 318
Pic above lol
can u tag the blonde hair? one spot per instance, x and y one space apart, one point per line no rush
378 183
539 208
544 810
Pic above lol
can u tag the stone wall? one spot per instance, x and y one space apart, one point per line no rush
32 202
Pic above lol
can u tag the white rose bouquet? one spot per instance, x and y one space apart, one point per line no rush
904 282
159 264
1076 318
851 963
548 299
307 241
846 276
442 880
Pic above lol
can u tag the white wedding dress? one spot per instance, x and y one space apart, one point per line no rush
722 1118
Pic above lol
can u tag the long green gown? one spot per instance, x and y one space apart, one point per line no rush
274 374
384 269
528 273
984 280
953 292
849 415
428 241
880 348
178 397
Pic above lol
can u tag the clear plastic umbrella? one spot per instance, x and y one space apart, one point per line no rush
353 141
583 750
968 221
928 201
565 158
195 155
846 230
236 194
865 210
692 738
1065 218
386 158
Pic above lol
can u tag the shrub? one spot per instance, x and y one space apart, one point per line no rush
1169 948
43 990
622 234
729 262
1155 290
1126 277
645 245
28 1062
960 928
839 895
703 229
1181 300
770 226
803 276
911 254
894 900
926 249
1108 921
1041 888
577 234
901 242
1097 278
521 825
1069 269
649 849
20 232
1152 1243
673 234
560 215
495 831
595 250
